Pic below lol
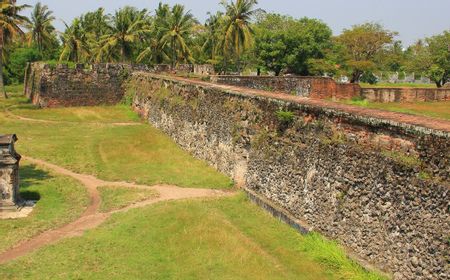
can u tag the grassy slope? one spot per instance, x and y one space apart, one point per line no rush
430 109
61 200
220 239
139 153
114 198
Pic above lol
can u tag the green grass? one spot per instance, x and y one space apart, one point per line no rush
214 239
439 109
397 85
103 114
114 198
138 153
60 201
14 89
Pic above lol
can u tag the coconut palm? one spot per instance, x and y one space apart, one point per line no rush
10 29
75 43
175 31
156 50
41 28
238 34
211 44
127 28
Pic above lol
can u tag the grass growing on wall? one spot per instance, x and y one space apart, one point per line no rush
214 239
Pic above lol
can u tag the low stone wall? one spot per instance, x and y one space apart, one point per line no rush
386 95
313 87
379 187
61 86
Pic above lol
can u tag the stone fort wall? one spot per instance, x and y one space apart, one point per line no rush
375 182
90 85
312 87
378 186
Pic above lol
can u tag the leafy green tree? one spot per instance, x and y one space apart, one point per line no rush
75 43
175 31
432 58
127 28
17 61
238 32
362 44
296 46
10 28
41 30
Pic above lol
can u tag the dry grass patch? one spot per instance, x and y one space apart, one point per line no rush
115 198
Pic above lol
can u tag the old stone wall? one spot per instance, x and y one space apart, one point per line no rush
60 86
380 187
386 95
313 87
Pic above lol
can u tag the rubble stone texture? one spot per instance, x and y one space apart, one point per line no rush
379 187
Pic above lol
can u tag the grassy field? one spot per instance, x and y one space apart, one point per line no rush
397 85
217 239
439 110
61 200
92 145
227 238
114 198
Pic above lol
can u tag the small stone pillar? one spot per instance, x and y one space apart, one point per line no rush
9 174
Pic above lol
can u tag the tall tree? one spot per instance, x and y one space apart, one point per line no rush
431 58
10 28
41 28
362 44
128 26
293 45
175 31
238 33
213 26
75 43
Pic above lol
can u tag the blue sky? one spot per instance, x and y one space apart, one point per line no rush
413 19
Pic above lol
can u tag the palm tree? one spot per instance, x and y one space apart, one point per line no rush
156 50
75 43
213 24
128 27
238 34
10 28
41 28
175 33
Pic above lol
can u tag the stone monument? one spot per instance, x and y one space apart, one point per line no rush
9 174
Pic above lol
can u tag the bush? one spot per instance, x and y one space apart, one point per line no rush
285 117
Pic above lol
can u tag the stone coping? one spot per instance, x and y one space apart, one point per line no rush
372 117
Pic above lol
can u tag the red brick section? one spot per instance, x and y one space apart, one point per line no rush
431 123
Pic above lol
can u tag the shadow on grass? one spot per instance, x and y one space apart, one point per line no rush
31 175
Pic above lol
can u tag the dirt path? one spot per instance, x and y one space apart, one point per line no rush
11 114
92 218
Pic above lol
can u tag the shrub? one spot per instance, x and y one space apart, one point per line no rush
285 117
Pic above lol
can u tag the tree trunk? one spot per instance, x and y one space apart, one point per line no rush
2 84
173 53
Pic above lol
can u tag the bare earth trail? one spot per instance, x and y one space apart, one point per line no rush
92 218
13 115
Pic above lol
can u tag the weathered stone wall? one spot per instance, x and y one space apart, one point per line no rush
386 95
61 86
313 87
378 186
